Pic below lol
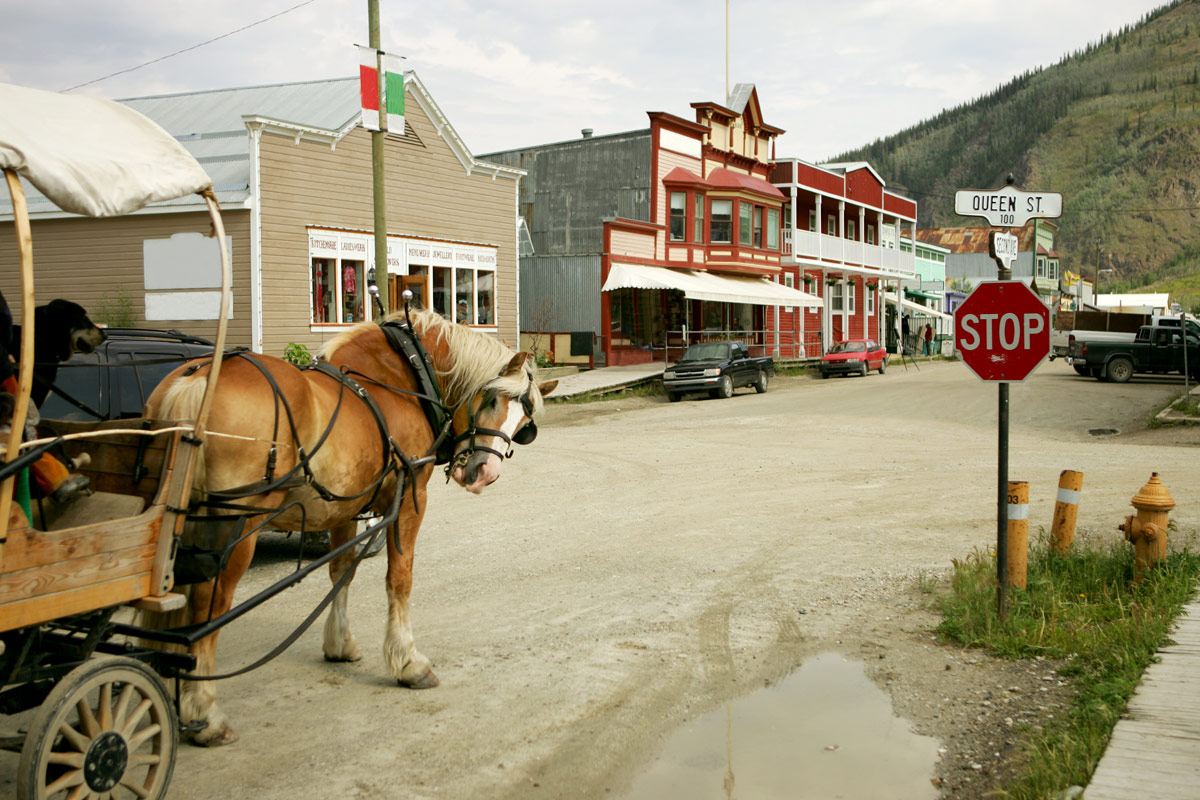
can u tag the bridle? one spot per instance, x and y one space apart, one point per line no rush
524 435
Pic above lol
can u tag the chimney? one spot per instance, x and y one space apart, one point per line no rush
587 133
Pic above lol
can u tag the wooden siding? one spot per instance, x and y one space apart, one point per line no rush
667 161
98 264
629 243
819 179
429 196
865 188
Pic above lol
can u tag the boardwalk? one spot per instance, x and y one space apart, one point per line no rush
1155 748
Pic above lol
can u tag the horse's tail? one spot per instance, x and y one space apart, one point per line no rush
182 402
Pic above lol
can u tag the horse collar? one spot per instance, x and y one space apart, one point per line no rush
405 341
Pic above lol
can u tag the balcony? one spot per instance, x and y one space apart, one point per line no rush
808 245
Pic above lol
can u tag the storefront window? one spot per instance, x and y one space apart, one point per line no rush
324 293
485 296
353 290
722 221
678 216
744 213
464 295
441 291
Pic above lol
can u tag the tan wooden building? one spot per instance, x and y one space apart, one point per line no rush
291 166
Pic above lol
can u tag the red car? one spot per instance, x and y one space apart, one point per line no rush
853 357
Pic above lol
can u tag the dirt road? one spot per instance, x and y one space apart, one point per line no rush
643 562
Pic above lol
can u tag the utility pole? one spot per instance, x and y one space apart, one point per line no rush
377 142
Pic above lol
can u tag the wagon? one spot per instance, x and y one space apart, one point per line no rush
99 720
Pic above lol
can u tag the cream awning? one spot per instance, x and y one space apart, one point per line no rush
917 308
697 285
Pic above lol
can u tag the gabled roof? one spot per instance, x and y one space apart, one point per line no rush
742 100
212 126
846 167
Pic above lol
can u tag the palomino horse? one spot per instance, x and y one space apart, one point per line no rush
308 427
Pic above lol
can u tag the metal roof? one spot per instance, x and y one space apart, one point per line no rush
209 125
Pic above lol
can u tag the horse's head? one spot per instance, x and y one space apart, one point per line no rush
492 420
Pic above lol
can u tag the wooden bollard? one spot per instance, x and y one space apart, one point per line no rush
1018 532
1066 509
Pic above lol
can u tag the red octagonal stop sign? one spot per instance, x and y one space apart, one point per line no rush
1002 331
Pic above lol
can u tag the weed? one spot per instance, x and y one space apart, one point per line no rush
1082 607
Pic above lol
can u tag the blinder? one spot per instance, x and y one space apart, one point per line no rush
526 434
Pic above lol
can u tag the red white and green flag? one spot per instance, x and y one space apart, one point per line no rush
393 89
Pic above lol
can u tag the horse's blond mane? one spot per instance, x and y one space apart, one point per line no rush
475 359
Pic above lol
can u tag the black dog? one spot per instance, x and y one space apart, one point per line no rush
62 328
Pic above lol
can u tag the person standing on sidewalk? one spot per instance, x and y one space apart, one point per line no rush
929 340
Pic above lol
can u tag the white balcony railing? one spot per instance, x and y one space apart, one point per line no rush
798 244
831 247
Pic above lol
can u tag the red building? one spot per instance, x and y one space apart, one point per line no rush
841 238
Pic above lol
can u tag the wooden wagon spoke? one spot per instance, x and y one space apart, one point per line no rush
118 721
74 778
87 719
77 739
137 741
135 718
104 706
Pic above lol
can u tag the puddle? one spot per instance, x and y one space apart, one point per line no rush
1104 431
823 732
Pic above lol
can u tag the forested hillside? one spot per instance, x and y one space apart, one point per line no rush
1115 128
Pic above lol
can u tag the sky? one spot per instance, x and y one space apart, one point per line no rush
508 74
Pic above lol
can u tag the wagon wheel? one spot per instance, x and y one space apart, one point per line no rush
107 729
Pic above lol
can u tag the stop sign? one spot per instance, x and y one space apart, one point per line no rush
1002 331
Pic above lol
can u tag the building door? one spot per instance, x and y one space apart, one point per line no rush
417 284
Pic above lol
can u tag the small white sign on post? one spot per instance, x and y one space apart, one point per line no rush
1003 248
1008 207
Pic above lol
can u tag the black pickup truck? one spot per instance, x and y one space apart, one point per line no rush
1156 348
718 368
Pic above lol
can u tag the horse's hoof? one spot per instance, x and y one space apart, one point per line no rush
426 681
356 655
213 736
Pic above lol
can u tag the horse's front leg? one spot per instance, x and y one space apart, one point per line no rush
339 641
408 665
198 699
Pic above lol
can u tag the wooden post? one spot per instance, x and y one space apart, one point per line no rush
377 167
1066 509
1018 533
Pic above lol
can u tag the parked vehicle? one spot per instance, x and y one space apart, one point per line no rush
1100 326
718 368
853 357
1156 349
114 381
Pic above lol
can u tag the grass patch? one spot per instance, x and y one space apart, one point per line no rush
1085 609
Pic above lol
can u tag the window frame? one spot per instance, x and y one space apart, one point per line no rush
773 229
830 225
698 218
677 215
745 223
714 222
758 227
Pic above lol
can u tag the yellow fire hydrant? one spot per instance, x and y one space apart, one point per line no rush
1147 530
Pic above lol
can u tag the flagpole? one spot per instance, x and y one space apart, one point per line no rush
377 142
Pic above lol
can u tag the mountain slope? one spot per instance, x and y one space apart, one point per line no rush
1115 128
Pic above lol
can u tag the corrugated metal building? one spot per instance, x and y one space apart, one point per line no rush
569 189
292 170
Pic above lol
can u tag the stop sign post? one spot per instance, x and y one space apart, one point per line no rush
1002 331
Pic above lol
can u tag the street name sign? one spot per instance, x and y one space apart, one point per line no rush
1002 331
1008 207
1003 248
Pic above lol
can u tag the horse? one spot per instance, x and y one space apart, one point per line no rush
270 417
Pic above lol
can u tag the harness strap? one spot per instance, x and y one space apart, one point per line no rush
404 340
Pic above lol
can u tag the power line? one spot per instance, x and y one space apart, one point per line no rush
193 47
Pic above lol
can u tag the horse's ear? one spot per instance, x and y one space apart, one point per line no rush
516 364
546 387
